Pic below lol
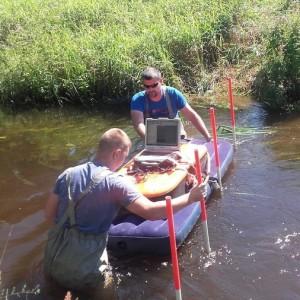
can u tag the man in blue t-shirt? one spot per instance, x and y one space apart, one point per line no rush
95 213
159 101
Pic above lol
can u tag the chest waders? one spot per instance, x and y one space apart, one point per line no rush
73 258
172 115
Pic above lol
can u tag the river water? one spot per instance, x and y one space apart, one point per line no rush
254 226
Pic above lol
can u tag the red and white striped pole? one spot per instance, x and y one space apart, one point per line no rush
232 110
215 140
176 276
202 204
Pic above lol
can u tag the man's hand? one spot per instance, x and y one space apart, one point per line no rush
197 192
208 139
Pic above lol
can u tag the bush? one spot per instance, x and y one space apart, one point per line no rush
278 83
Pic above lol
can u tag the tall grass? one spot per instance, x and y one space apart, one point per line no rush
278 83
91 51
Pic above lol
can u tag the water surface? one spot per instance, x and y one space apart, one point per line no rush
254 227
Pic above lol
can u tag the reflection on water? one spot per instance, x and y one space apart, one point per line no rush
287 133
254 228
35 148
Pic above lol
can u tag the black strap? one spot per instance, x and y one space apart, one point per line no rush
169 104
147 110
172 115
97 177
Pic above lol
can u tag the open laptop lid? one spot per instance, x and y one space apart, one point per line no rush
162 135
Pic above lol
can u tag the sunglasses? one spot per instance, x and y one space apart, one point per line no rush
151 85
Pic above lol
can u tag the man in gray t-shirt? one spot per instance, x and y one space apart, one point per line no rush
95 213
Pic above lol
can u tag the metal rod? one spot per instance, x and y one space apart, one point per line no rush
215 142
232 110
202 203
176 276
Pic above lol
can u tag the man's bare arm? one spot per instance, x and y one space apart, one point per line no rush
155 210
196 120
51 208
138 122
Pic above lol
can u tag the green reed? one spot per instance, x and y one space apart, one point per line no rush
87 52
91 52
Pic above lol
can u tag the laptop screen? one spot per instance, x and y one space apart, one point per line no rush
162 133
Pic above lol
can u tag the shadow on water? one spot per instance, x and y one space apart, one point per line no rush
253 227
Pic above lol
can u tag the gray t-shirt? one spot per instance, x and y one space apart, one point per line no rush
96 211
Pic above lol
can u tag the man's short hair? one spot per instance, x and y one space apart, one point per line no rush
151 73
113 139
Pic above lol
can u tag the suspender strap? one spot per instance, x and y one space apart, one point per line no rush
147 109
169 104
171 112
70 212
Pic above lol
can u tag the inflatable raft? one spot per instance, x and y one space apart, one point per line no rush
131 234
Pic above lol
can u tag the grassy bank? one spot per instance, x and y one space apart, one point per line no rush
277 83
266 52
90 52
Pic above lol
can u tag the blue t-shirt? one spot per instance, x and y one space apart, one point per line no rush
159 109
96 211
